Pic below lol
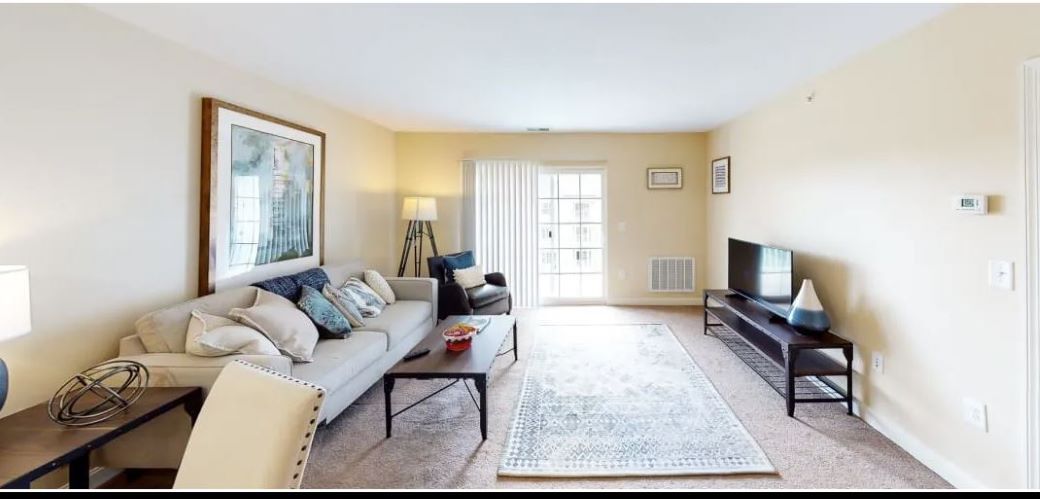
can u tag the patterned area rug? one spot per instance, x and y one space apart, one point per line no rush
622 400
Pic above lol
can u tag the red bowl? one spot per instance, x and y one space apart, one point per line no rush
458 346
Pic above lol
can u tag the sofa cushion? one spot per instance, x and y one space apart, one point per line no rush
165 330
336 362
178 369
486 295
338 274
399 320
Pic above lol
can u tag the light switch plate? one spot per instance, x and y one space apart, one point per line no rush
1002 274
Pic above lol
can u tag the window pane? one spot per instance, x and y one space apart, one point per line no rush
548 261
570 210
547 185
569 261
570 185
570 235
550 285
591 185
592 285
570 286
547 211
547 236
590 260
591 236
591 211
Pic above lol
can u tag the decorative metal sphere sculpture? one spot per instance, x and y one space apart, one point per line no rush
98 393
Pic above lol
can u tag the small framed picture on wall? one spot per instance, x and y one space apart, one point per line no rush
720 175
664 178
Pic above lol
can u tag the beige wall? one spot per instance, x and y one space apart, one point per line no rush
658 223
859 184
99 128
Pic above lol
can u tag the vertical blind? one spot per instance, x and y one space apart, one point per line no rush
500 222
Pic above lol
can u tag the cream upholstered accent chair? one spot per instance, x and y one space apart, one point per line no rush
254 431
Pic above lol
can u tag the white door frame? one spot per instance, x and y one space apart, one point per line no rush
1031 159
601 168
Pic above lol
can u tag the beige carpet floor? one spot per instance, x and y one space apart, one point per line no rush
438 445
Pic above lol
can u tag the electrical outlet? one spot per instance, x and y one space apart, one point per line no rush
877 363
622 275
975 414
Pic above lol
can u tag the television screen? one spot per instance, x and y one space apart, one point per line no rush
762 273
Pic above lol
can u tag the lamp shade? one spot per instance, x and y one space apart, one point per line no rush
419 208
15 312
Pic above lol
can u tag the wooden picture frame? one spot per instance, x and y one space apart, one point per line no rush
720 175
665 177
285 197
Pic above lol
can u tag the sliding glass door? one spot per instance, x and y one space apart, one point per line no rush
571 243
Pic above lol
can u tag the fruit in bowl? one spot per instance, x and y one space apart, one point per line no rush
459 337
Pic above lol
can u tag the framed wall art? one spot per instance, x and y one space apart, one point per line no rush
262 200
664 178
720 175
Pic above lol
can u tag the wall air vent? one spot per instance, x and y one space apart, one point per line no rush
671 274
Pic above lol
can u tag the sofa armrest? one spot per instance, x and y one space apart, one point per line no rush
418 289
413 288
182 369
496 278
453 301
131 345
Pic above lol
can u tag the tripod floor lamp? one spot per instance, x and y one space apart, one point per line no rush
419 212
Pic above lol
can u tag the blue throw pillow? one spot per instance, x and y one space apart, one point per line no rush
288 286
315 278
452 263
330 321
284 286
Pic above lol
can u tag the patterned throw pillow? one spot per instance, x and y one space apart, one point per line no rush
288 286
368 302
332 324
345 304
378 283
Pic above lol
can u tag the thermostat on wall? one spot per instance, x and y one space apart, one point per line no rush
972 204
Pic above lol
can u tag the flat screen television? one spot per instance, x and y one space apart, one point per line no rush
763 274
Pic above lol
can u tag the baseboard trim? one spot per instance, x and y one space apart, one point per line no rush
923 453
666 301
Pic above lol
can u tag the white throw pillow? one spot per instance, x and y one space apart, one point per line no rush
470 277
215 336
378 283
285 325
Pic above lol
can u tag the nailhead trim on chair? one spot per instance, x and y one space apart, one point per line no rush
311 426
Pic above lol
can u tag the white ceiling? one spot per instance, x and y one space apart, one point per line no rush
501 67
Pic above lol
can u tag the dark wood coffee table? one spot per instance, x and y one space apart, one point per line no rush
31 445
473 364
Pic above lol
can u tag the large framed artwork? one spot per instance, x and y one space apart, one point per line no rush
262 210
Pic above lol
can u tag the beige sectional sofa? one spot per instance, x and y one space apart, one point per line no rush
345 368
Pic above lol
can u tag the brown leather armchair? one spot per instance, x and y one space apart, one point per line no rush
492 298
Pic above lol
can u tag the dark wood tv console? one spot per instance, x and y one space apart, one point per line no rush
798 355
